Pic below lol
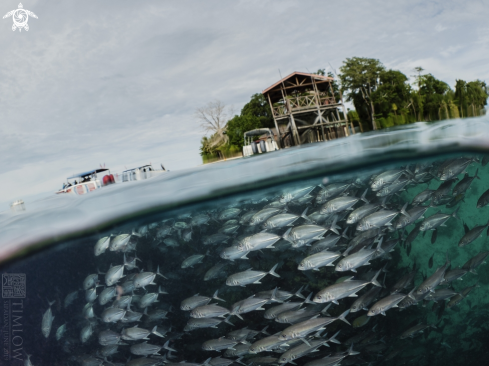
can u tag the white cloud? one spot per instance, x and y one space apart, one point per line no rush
117 81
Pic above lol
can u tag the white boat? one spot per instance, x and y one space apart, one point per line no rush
141 173
87 182
264 143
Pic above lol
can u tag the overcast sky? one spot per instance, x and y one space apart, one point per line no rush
117 82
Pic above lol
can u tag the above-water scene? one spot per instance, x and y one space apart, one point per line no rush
244 183
381 261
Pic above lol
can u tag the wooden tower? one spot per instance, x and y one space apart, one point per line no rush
305 110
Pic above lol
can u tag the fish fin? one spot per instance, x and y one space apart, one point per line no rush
404 212
374 280
217 298
335 302
342 317
272 271
305 341
353 295
227 321
363 196
333 338
298 293
383 313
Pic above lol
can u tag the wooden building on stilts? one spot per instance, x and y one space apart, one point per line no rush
305 110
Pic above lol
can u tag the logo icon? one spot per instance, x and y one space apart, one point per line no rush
20 17
13 285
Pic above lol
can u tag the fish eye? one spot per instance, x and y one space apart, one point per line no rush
319 296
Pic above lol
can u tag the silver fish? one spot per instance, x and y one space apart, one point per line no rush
258 241
388 177
379 219
47 321
150 298
436 220
90 281
135 333
340 204
302 329
216 239
263 215
86 333
192 260
249 277
419 328
295 194
119 242
114 274
434 280
196 301
269 343
144 279
113 315
108 337
218 344
106 295
472 235
347 288
283 220
318 260
360 212
72 296
365 300
201 219
229 214
215 271
91 294
232 253
389 302
209 311
102 245
475 262
199 323
60 331
131 317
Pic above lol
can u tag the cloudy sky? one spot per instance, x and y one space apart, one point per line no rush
117 81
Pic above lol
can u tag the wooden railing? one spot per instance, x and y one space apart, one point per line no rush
301 102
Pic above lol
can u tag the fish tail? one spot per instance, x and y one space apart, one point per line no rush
227 320
298 292
333 338
217 298
454 214
363 196
374 280
308 300
342 317
272 271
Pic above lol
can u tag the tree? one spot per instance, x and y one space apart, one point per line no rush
360 78
213 118
258 106
239 125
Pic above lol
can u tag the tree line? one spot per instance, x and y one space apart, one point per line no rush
381 98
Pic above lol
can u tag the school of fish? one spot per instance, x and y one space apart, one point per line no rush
304 275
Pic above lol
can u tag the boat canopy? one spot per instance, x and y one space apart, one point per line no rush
141 167
85 174
258 132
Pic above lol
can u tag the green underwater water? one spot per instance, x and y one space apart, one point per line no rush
460 337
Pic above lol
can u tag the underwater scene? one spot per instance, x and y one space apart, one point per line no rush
381 264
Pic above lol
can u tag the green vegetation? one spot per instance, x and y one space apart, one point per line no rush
382 98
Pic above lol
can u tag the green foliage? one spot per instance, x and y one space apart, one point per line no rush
239 125
259 107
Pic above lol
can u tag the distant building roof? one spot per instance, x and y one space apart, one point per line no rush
297 73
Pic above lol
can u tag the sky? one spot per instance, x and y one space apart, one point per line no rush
118 81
